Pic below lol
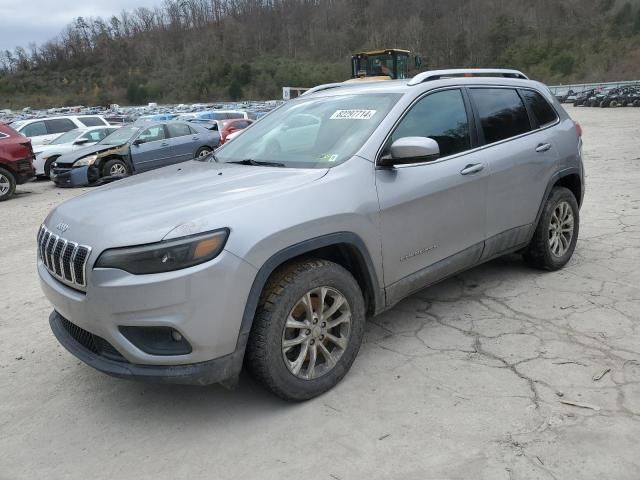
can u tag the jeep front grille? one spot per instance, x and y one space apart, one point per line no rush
65 260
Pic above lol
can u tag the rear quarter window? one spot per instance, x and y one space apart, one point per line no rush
91 121
60 125
542 111
502 113
34 129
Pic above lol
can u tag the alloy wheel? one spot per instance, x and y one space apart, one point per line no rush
561 229
117 169
204 153
5 185
316 333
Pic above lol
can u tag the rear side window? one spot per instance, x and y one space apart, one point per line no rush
91 121
441 116
502 113
178 129
35 129
542 111
60 125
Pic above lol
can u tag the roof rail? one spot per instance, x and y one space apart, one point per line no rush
320 88
470 72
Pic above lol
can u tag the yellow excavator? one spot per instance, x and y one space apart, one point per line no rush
388 64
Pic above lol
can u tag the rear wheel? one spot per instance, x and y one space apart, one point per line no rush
203 152
556 235
115 167
307 330
7 184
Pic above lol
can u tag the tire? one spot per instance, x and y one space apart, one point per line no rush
614 104
7 184
272 363
204 151
115 167
47 166
544 252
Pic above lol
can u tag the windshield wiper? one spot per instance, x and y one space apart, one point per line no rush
250 161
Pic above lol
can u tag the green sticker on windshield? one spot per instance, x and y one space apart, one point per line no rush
328 157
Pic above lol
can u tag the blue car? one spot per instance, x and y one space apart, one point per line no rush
134 149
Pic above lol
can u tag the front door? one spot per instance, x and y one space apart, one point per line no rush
153 152
433 214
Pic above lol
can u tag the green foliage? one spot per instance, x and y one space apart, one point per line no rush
251 49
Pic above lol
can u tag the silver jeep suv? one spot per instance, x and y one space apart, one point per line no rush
331 209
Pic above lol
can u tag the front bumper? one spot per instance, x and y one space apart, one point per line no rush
203 373
204 303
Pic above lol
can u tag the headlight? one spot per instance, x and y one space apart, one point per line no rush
90 160
165 256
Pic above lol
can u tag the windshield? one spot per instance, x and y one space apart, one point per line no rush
120 136
311 132
68 137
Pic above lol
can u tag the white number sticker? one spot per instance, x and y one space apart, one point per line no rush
353 114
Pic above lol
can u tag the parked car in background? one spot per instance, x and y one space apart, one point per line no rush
214 115
228 127
583 97
16 161
135 149
65 143
42 131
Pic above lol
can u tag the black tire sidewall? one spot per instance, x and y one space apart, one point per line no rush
202 149
287 385
109 163
47 166
12 184
557 196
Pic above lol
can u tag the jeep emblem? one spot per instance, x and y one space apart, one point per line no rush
63 227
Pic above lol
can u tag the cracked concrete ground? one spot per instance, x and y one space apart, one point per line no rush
500 373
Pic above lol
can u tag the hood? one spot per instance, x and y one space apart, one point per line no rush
175 201
71 157
57 149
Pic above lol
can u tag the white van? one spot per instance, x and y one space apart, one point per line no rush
42 130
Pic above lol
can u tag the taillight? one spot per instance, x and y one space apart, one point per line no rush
578 129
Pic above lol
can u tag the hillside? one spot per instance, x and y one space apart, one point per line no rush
196 50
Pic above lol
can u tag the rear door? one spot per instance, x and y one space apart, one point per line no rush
433 214
154 151
184 141
520 156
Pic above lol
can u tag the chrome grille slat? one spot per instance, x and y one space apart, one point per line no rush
65 260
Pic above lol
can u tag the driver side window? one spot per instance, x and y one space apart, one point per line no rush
441 116
152 134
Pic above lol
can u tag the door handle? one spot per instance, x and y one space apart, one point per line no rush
195 138
472 168
165 144
543 147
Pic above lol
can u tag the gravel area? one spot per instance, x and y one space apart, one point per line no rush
499 373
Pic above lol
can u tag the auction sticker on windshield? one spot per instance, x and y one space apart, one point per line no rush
353 114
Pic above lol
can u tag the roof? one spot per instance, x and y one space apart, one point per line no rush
381 52
434 79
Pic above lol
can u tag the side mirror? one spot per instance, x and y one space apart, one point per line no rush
408 150
138 141
81 141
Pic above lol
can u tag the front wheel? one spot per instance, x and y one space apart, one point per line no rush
556 235
115 168
47 166
307 330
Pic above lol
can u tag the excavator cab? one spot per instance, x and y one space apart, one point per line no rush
390 64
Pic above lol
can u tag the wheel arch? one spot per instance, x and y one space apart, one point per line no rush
344 248
570 178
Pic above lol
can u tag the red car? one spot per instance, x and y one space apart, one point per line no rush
16 161
232 125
